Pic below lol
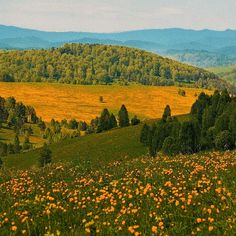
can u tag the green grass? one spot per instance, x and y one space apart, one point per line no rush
98 149
93 149
184 195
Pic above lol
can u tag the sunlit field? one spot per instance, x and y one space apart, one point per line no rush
182 195
60 101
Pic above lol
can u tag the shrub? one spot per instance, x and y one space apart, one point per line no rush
101 99
169 147
224 141
135 121
182 92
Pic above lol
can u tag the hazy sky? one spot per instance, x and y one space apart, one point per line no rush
118 15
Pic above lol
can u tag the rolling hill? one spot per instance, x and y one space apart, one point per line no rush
99 64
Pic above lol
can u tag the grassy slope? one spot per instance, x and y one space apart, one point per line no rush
184 195
90 150
62 101
226 73
96 148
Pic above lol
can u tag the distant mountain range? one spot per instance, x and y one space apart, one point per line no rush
203 48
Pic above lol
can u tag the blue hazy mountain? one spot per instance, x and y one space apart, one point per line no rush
203 48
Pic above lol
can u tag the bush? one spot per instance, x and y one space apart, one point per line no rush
169 147
101 99
182 92
224 141
135 121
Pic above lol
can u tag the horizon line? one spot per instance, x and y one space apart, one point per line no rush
122 31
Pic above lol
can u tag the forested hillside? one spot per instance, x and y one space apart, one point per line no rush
98 64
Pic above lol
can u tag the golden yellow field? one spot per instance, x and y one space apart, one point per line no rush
61 101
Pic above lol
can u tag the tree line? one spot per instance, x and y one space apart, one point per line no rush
97 64
211 125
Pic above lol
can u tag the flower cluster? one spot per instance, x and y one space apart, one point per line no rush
182 195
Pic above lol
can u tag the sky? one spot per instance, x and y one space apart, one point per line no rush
118 15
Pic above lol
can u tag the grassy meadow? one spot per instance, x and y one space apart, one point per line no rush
62 101
94 149
182 195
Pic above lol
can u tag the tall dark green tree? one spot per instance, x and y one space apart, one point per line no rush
113 121
104 121
167 113
123 117
144 134
187 137
45 156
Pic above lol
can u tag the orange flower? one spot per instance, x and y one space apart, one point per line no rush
210 228
199 220
13 228
154 229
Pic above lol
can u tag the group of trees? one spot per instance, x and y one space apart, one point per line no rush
18 117
96 64
16 114
108 120
210 125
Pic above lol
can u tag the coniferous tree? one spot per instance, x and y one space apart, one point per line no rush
104 121
45 156
167 113
123 117
187 137
113 121
144 134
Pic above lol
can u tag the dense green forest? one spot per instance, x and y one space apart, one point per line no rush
211 125
99 64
